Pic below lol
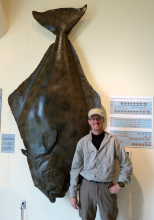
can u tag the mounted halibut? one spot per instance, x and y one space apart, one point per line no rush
50 107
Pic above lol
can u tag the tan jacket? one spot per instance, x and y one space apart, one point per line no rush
99 165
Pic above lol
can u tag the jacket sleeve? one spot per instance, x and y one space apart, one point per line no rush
124 162
77 166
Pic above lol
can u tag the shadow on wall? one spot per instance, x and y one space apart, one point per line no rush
130 201
3 21
12 9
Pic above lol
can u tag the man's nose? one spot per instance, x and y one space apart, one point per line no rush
95 119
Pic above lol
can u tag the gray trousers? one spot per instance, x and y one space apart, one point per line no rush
92 194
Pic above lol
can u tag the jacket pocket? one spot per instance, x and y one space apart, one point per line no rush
89 159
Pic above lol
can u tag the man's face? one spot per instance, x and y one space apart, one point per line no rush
96 122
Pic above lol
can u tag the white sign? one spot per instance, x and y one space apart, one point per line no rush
131 120
8 143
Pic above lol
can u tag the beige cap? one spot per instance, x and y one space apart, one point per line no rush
95 111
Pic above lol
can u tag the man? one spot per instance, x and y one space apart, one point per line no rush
94 160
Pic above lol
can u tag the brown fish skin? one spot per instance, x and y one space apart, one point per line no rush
54 113
56 101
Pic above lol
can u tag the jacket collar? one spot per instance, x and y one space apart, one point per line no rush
106 139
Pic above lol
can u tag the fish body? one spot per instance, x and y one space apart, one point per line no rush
50 107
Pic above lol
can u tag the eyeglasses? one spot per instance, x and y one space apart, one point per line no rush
95 119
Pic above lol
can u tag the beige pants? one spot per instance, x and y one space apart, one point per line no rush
92 194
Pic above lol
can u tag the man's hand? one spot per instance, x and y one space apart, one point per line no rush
74 203
115 189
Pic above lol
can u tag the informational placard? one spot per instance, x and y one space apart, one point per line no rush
131 120
8 143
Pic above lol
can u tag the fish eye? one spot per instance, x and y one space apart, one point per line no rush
55 189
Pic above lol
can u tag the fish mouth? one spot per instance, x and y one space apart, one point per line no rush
52 200
56 195
53 196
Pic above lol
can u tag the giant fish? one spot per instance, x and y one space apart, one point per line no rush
50 107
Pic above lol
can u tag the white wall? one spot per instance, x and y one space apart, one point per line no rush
115 44
3 21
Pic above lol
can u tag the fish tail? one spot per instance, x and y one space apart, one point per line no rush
59 20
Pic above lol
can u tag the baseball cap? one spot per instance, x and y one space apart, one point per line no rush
95 111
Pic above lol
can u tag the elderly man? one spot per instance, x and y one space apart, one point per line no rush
94 160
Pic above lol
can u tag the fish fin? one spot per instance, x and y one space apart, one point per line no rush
61 19
49 139
24 152
17 99
91 96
